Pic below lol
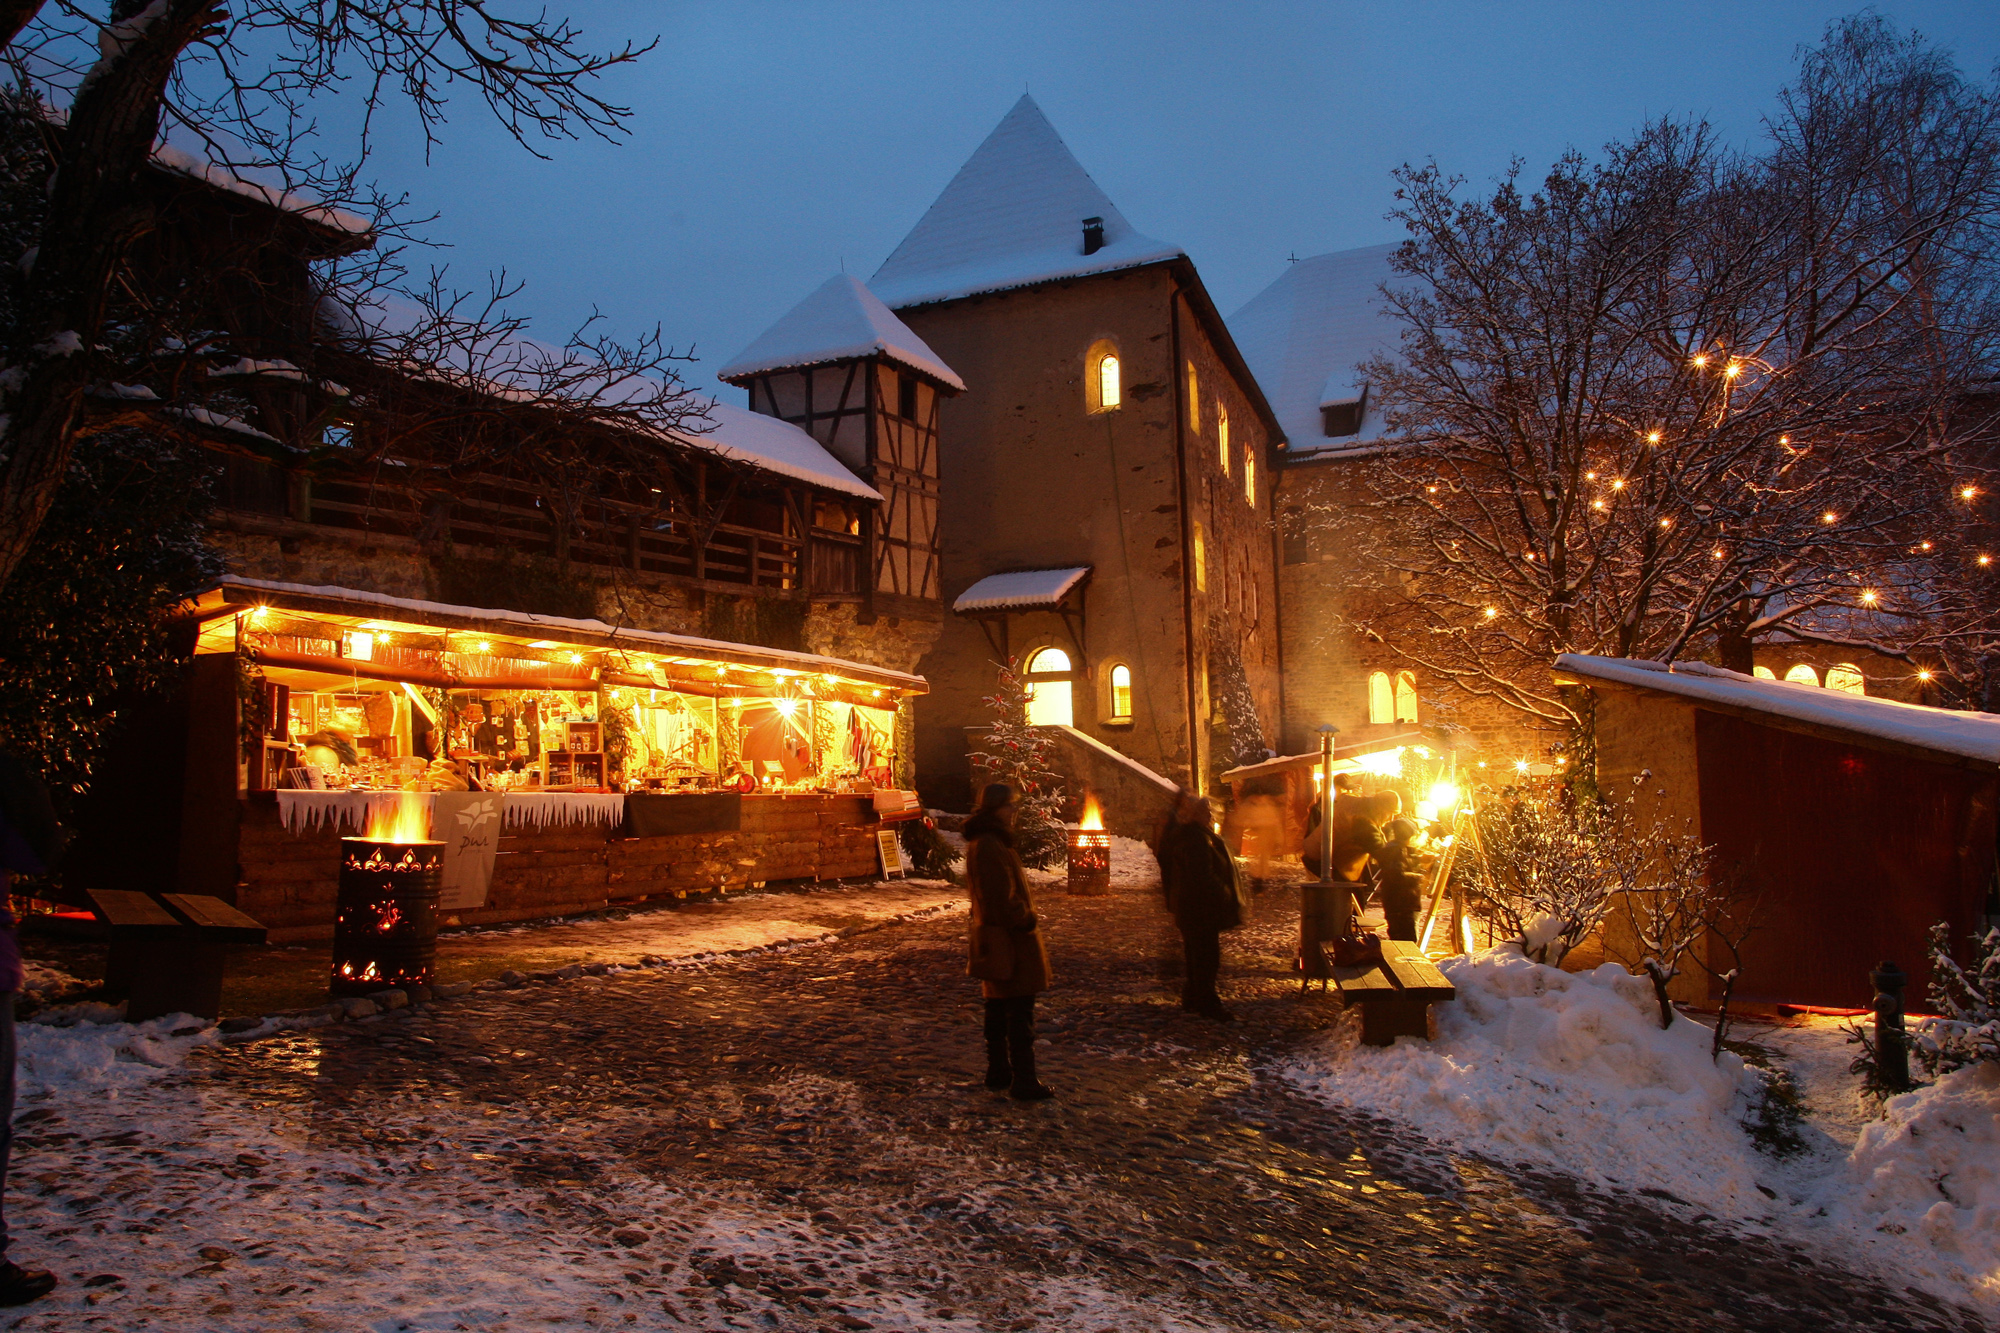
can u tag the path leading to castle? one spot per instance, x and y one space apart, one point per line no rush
795 1140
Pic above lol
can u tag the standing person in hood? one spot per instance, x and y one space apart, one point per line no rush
1198 877
30 844
1006 951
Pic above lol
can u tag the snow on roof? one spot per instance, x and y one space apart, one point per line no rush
512 364
840 321
775 446
1023 590
657 641
1011 217
186 153
1969 735
1304 335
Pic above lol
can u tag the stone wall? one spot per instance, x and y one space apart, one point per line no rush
288 880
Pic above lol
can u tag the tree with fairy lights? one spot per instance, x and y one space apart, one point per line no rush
1684 400
1018 754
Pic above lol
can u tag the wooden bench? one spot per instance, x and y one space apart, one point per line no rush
1395 996
168 953
1325 914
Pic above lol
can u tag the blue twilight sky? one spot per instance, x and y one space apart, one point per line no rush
773 142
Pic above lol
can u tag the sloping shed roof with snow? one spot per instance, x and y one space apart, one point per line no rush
1012 217
1974 736
841 321
1304 335
1022 590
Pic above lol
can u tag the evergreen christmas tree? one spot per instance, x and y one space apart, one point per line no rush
1017 754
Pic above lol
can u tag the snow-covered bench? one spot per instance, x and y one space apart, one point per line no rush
167 953
1395 996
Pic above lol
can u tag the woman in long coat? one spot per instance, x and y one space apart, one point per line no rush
1005 947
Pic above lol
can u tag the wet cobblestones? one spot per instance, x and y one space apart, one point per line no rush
838 1086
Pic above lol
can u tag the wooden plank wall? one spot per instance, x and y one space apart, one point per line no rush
288 879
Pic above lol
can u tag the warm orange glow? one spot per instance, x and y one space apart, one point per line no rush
408 820
1093 813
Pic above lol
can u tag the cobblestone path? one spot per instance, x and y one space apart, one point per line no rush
1176 1178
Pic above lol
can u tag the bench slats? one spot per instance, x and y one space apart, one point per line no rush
130 913
216 919
1415 973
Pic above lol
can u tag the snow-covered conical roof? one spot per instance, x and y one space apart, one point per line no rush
1304 335
1011 217
840 321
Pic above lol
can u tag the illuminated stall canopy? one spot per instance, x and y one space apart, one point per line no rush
380 689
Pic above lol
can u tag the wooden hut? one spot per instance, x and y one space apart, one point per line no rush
1859 822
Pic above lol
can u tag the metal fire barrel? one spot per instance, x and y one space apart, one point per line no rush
386 915
1089 862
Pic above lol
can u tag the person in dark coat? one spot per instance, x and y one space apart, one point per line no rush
1402 863
31 841
1005 948
1198 877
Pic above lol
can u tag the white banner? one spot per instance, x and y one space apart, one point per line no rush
468 824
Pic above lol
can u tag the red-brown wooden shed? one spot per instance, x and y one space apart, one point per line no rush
1860 821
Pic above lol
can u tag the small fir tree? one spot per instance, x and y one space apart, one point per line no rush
1018 754
1966 999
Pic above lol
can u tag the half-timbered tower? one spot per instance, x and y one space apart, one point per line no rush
842 367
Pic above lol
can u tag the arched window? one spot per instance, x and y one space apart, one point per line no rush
1200 561
1763 673
1847 678
1222 436
1802 675
1406 696
1049 700
1381 698
1250 476
1103 389
1121 693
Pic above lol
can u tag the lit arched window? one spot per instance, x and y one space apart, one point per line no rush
1847 678
1200 561
1121 693
1802 675
1049 700
1103 389
1406 696
1763 673
1250 476
1381 698
1222 436
1194 400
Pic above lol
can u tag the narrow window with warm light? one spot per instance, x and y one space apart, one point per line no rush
1121 693
1194 400
1222 436
1250 476
1381 698
1200 561
1103 382
1406 696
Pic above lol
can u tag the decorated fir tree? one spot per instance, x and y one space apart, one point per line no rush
1017 754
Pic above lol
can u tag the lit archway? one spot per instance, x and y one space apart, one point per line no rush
1802 675
1406 696
1103 377
1121 693
1381 698
1049 700
1763 673
1847 678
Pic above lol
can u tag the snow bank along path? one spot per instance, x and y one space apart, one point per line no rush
1572 1072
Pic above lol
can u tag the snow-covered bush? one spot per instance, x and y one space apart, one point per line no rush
1966 999
1542 875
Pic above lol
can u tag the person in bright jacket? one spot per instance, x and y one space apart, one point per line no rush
1198 877
1005 949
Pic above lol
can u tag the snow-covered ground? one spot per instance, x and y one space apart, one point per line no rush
1572 1072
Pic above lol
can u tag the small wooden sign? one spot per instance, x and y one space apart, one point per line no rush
891 850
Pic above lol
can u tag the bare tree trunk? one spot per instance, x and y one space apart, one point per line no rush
95 212
1733 641
1722 1014
1662 978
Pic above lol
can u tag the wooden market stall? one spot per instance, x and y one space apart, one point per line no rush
1269 801
572 763
1859 821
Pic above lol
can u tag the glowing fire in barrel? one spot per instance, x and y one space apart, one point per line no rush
1090 850
385 915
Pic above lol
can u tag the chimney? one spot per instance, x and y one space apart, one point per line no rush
1093 235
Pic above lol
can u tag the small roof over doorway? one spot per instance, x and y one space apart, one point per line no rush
992 599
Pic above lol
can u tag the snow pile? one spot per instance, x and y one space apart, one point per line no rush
1929 1173
42 984
84 1049
1566 1070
